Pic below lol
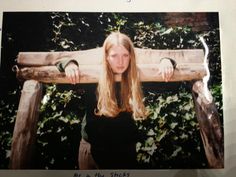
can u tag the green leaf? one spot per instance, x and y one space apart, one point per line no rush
161 135
168 31
176 152
173 125
151 132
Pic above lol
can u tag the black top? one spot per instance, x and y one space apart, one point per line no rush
113 140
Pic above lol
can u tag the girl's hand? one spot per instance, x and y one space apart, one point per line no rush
166 69
72 72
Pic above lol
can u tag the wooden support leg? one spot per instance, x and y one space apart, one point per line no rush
24 134
210 126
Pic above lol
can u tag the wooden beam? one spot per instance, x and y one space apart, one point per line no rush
25 129
94 56
210 125
90 73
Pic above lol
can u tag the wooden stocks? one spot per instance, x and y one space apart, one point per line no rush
40 65
37 67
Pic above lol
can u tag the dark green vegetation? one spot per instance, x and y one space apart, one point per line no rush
172 138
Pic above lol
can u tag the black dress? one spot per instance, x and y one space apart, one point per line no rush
113 140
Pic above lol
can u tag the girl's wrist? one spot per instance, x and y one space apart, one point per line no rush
173 62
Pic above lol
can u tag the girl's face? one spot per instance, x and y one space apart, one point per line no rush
118 59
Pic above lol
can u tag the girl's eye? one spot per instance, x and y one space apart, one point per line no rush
126 56
114 56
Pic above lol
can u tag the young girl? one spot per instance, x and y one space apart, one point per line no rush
109 133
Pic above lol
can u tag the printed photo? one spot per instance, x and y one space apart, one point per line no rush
84 91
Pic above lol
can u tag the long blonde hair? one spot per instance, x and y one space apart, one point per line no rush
131 96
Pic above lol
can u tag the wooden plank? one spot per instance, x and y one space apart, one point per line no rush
210 125
90 73
26 126
91 56
94 56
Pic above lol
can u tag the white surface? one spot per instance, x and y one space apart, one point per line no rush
227 11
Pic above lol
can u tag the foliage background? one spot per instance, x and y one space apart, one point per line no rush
171 134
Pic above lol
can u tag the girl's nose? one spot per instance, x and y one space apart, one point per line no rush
120 61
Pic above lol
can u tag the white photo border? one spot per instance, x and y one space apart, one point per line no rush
227 15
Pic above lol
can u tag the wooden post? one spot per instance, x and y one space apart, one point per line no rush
210 126
26 125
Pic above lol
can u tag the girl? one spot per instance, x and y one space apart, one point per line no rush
109 133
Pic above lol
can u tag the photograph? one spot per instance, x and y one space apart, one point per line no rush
111 90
